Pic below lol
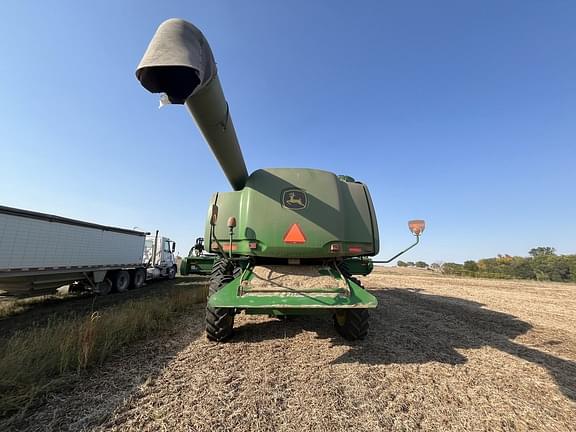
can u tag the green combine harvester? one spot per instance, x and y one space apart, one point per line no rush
289 240
197 262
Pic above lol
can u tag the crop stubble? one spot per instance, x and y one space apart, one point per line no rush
442 354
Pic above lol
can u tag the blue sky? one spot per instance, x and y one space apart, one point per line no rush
458 112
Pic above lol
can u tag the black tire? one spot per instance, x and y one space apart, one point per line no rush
103 288
220 321
138 278
172 273
352 324
120 281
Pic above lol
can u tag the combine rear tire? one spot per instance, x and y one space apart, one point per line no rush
352 324
220 321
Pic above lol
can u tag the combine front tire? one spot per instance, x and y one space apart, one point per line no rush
220 321
352 324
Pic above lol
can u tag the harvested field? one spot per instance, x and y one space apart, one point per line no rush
442 354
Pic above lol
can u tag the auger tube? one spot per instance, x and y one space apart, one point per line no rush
179 63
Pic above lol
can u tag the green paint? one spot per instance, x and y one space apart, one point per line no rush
334 211
196 265
231 296
359 266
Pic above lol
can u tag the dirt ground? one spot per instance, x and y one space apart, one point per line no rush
442 354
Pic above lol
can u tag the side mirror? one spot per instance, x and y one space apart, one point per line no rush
416 226
173 247
213 214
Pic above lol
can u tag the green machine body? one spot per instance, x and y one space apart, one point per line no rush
286 240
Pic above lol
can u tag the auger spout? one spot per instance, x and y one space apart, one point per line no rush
179 63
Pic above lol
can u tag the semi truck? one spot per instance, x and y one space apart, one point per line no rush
41 252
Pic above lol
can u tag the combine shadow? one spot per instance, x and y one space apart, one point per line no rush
410 327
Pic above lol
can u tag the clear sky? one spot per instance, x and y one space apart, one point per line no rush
458 112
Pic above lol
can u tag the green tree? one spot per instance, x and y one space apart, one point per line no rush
401 264
571 260
452 268
543 264
522 268
542 251
421 264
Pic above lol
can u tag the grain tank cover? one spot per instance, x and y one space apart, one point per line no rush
179 63
300 213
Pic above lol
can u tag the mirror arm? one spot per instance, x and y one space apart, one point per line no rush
401 253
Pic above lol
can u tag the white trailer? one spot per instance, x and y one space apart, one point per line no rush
40 252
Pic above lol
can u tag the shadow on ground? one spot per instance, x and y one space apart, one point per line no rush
410 327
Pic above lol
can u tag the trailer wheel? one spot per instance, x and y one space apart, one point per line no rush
352 324
172 273
138 278
220 321
103 288
120 281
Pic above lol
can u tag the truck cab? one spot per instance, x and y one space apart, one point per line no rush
159 257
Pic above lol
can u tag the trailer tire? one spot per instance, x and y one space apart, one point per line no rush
220 321
172 273
138 278
352 324
120 281
103 288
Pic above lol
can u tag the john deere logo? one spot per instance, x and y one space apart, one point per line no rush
294 199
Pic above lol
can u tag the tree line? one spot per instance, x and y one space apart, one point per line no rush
542 264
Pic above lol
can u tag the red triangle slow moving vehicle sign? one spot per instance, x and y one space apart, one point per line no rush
294 235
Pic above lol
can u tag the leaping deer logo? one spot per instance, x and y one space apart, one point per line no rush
294 200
